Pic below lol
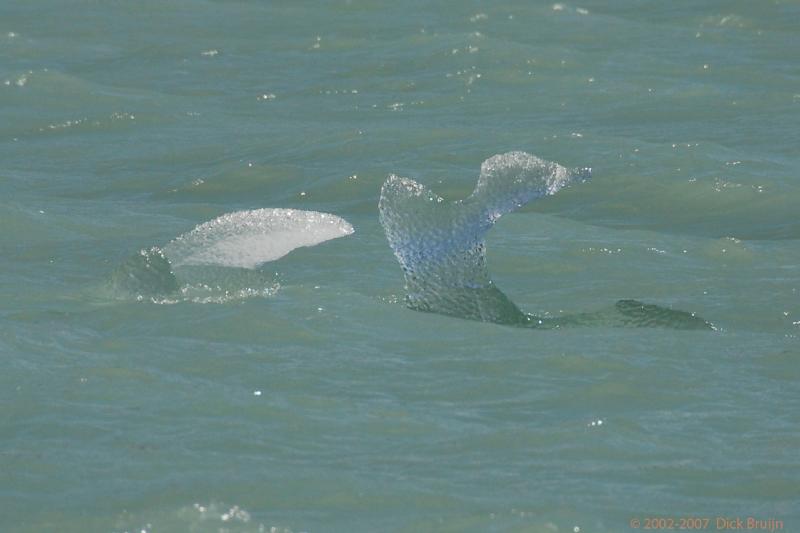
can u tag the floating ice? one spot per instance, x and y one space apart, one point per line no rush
440 245
216 261
441 249
247 239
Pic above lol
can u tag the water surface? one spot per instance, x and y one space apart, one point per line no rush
304 395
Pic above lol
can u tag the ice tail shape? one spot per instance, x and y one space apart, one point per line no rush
441 249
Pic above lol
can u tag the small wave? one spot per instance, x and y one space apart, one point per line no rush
198 517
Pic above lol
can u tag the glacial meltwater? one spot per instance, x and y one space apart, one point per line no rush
254 274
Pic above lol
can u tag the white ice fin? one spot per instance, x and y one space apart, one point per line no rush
247 239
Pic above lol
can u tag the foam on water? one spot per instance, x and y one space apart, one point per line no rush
199 517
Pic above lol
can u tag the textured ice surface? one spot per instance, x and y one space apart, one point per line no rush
215 262
440 246
247 239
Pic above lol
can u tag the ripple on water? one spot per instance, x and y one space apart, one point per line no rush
199 517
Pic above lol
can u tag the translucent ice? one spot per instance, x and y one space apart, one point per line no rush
441 249
247 239
216 261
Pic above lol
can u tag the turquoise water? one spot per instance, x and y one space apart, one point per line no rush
304 395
